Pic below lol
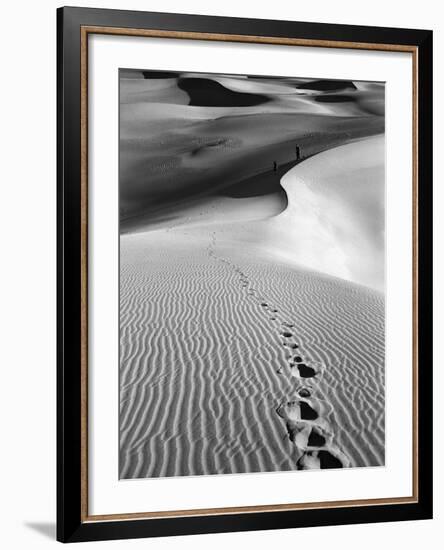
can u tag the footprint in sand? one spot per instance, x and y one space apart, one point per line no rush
323 459
301 370
312 437
298 433
294 372
318 437
290 345
307 411
304 391
309 461
299 409
300 416
305 371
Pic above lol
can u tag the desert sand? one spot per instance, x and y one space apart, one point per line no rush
252 313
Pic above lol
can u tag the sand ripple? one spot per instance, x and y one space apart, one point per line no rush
237 363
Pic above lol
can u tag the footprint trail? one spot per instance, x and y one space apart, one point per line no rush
305 413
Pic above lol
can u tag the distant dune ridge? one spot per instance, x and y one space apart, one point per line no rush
252 309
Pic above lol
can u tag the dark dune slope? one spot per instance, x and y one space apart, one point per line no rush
327 85
204 92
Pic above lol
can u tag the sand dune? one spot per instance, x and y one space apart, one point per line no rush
191 135
334 221
251 275
205 367
239 358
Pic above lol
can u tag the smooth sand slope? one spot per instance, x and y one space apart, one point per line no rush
333 218
236 356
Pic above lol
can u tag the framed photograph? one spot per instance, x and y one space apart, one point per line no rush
244 274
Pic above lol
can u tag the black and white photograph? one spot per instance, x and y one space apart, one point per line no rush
252 268
221 265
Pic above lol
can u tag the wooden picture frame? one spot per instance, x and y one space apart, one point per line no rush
74 27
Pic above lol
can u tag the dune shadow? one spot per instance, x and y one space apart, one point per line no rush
327 85
204 92
154 75
338 98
